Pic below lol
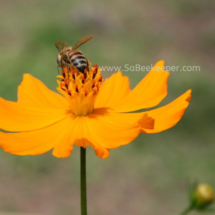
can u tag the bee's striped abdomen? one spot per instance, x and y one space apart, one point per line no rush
78 60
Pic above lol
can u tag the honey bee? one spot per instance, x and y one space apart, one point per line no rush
70 56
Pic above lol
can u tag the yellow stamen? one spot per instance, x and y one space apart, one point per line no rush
80 89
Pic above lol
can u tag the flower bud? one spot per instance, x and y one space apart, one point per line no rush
202 196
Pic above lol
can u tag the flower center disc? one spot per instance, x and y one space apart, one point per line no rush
80 89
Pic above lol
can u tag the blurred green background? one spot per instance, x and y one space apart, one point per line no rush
150 176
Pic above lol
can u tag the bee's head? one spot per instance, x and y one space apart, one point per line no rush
66 50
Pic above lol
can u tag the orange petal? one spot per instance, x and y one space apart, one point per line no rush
101 152
148 93
63 149
113 90
102 130
39 141
16 116
168 115
111 130
33 92
74 133
79 135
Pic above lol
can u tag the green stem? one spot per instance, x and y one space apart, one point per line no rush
83 182
187 210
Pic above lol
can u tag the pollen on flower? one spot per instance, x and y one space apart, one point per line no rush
80 89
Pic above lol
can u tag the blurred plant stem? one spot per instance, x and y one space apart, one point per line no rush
187 210
83 181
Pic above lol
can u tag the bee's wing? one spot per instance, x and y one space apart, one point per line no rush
82 41
61 44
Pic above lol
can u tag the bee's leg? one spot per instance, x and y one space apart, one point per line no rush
68 70
58 69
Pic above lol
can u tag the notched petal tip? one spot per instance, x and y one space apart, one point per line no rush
101 152
62 152
119 73
162 62
159 66
189 96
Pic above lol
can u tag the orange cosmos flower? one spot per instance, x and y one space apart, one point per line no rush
91 112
